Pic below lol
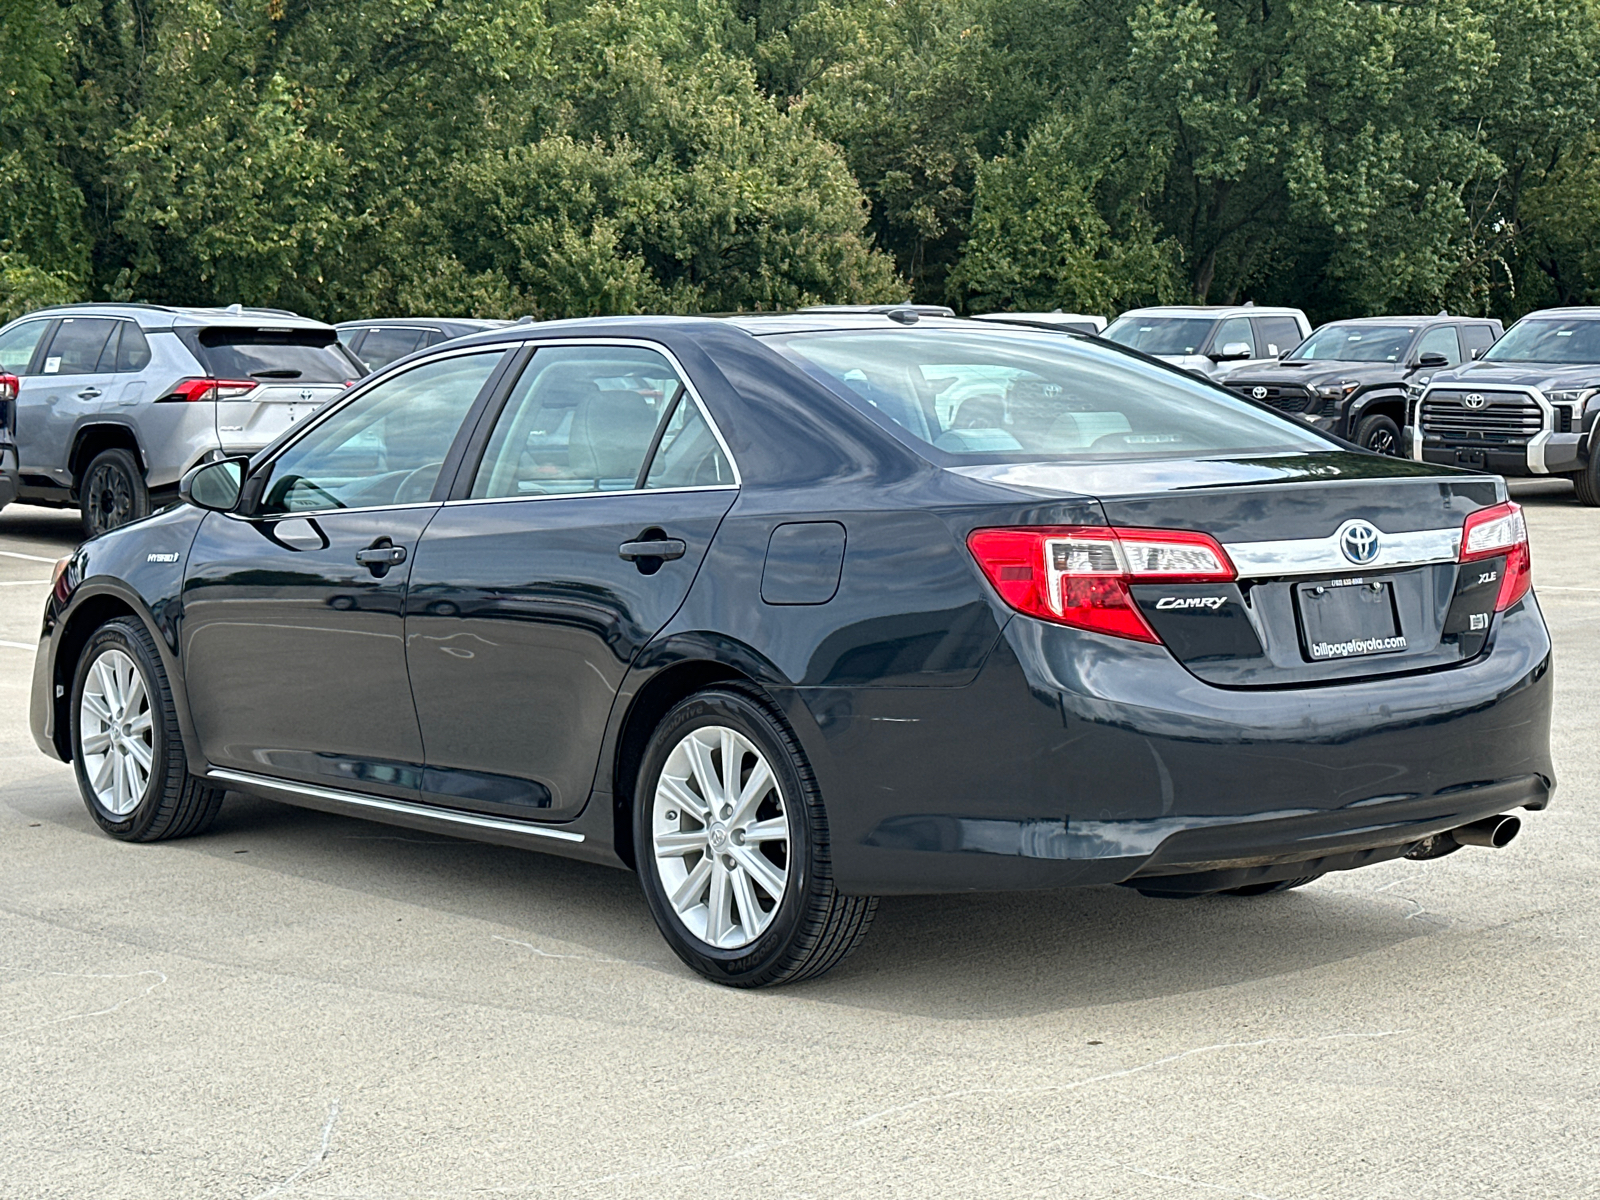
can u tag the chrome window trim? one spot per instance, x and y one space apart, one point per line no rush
331 512
385 804
1535 447
1316 556
704 487
689 389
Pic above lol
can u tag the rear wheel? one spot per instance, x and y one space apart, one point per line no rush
732 844
1587 482
112 492
126 748
1379 434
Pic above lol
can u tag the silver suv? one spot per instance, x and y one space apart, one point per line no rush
1211 340
112 403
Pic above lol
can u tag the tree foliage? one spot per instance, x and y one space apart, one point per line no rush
560 157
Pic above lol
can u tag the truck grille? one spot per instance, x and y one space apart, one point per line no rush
1283 397
1505 419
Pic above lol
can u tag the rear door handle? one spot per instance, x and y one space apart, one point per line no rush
89 394
662 548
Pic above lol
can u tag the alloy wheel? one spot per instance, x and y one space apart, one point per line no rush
117 738
1383 441
110 497
720 836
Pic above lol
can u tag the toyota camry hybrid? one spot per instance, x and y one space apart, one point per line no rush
786 613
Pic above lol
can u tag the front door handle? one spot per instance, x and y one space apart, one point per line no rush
89 394
380 556
662 548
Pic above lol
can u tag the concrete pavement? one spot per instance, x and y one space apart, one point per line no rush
303 1005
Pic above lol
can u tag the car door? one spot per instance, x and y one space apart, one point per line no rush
557 558
66 391
292 633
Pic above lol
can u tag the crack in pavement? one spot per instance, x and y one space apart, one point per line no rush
99 1012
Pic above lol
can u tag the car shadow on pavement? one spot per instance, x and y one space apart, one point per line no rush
964 957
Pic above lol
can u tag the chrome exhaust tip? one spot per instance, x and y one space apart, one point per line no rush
1495 833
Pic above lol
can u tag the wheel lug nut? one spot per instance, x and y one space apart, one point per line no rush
738 837
727 861
672 814
727 811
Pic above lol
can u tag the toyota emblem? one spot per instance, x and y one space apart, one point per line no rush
1260 393
307 395
1358 540
1475 400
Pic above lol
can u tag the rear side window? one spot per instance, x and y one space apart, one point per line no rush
75 348
1279 334
17 346
1477 337
384 346
301 355
133 351
1005 396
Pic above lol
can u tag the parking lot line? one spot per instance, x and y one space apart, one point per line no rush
17 646
29 557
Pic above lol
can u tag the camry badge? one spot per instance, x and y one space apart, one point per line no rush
1207 602
1475 400
1260 393
1358 540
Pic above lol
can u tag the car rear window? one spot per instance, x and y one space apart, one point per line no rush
1009 395
301 355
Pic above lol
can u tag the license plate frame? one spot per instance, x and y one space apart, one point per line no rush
1348 618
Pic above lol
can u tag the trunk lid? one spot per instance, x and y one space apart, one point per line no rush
1347 562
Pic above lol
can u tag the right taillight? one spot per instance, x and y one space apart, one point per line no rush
211 389
1079 575
1497 531
9 385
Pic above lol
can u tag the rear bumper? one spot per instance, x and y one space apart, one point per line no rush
8 475
1075 759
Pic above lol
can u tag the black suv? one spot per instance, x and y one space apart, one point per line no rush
1352 378
1531 407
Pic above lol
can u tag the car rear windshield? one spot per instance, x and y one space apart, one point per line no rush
1545 340
1160 335
1356 343
1009 395
297 355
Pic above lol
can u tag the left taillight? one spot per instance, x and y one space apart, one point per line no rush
1080 575
211 389
1493 532
9 386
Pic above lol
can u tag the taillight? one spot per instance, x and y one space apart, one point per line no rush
1491 532
61 580
8 387
212 389
1080 575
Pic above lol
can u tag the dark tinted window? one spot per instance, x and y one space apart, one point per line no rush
75 349
1013 395
1357 343
133 352
303 355
17 346
1278 334
383 346
1477 337
1549 340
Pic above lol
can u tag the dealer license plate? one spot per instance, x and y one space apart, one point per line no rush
1348 618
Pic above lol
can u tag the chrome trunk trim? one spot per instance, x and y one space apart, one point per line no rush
1318 556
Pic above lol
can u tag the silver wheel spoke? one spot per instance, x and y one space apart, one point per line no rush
677 791
774 830
96 743
103 771
693 887
135 692
139 755
718 924
751 918
705 772
681 843
755 790
762 871
141 723
108 685
95 706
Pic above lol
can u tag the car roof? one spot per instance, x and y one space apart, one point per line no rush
1404 319
422 322
1576 310
1214 310
167 316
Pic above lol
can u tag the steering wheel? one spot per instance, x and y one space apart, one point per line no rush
420 481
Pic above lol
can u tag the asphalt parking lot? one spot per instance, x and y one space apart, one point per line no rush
299 1004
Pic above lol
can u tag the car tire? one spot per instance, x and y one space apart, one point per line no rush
126 748
1379 434
1271 889
1587 482
112 492
740 909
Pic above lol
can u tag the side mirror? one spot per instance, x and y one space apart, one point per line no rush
1284 354
1433 359
214 485
1476 352
1234 350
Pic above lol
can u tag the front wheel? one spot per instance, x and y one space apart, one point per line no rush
126 748
732 845
112 492
1587 482
1379 434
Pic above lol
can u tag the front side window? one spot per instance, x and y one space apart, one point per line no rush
1356 343
75 348
1441 341
1546 340
385 446
17 346
580 419
1160 335
1014 395
1234 337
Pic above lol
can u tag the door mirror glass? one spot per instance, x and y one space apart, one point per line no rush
1235 350
214 485
1236 339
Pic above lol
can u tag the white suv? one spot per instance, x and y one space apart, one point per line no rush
1211 340
112 403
